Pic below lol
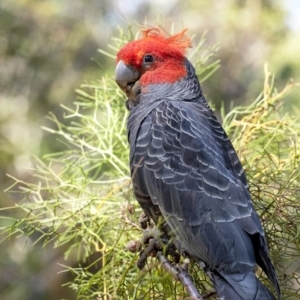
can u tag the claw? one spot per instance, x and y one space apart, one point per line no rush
150 233
154 244
144 220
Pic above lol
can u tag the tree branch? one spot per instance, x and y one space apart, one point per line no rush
155 248
180 275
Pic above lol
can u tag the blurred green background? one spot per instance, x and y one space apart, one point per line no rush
49 47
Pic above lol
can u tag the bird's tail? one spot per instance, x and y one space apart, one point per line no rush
240 287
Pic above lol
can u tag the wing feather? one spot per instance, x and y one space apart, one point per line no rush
185 165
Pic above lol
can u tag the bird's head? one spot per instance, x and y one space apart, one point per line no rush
153 59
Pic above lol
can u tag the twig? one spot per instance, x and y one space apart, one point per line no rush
154 248
180 275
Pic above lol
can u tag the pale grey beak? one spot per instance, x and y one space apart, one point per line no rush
125 76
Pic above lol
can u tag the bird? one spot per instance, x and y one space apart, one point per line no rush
185 172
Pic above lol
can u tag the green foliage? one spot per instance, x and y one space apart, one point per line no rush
81 199
267 140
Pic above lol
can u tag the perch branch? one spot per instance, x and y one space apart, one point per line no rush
181 276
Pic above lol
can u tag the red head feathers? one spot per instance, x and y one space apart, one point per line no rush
156 57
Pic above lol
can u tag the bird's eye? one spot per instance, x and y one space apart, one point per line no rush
148 58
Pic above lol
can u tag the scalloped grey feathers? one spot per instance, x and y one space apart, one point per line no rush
185 169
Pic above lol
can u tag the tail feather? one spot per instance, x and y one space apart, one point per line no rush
240 287
264 261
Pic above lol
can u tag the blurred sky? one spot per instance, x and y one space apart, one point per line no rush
128 7
293 8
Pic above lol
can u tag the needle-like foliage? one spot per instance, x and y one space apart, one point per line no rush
81 198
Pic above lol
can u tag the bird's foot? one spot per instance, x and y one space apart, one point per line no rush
144 220
154 243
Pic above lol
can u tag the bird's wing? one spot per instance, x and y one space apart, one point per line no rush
184 146
184 162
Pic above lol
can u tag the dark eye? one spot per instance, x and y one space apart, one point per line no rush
148 58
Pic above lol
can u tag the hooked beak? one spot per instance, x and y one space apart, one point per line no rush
126 78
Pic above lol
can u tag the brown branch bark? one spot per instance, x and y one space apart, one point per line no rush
181 276
155 248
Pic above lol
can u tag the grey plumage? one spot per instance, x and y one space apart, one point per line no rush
185 169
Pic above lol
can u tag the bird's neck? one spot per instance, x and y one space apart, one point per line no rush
185 89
